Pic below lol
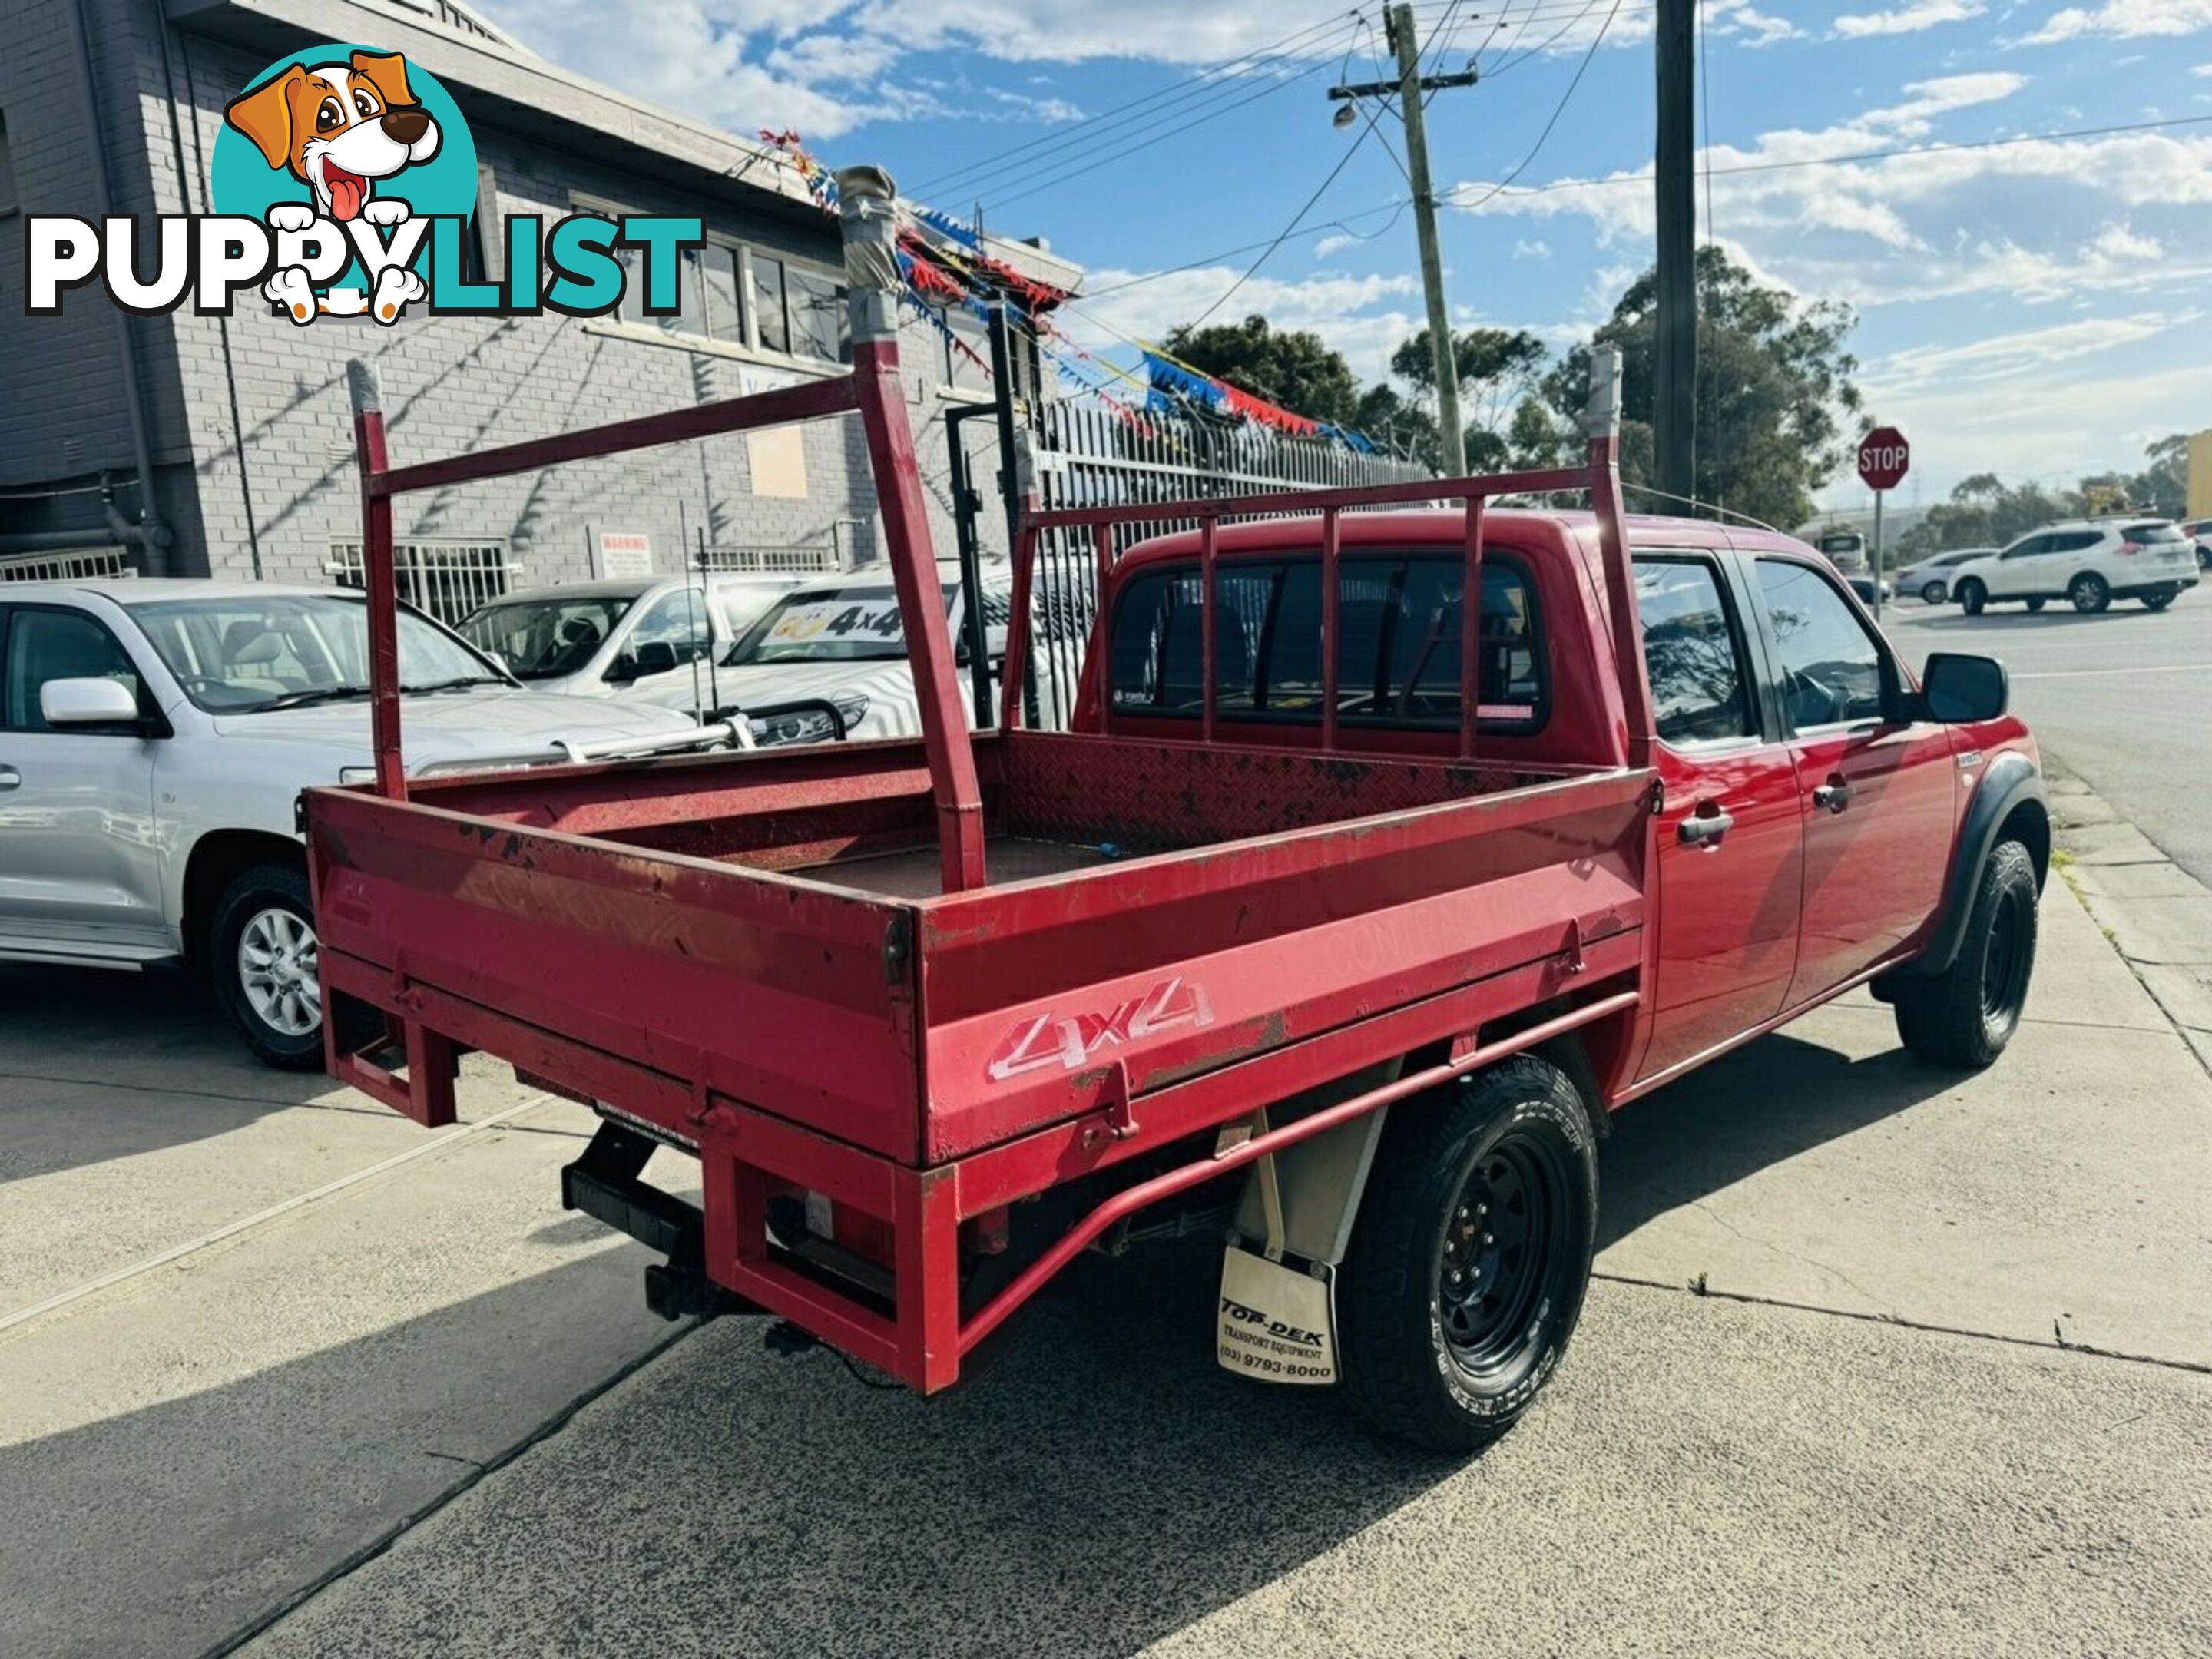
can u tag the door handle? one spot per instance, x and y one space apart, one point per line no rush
1703 829
1835 794
10 777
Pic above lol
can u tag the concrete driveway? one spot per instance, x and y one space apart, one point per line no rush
279 1370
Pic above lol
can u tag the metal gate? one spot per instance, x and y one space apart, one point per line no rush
76 565
1087 454
449 578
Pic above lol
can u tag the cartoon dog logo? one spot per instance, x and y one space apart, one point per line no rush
340 128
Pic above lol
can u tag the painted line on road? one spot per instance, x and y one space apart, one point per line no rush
2101 673
231 1230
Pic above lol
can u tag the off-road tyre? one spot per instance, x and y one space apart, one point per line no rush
1966 1015
1972 597
1429 1363
258 898
2089 593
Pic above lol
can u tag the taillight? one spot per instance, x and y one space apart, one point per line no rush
2131 548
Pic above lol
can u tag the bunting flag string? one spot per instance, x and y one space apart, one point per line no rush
936 276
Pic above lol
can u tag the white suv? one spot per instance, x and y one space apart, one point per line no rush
2088 562
154 736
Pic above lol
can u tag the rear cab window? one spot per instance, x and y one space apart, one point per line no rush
1694 654
1398 643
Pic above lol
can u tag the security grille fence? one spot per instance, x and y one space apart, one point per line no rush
448 578
78 564
1087 455
802 560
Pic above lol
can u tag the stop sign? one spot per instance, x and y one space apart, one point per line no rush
1884 458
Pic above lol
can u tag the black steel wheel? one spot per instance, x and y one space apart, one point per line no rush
1966 1015
1470 1256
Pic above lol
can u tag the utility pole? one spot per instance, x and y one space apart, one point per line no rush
1675 401
1409 87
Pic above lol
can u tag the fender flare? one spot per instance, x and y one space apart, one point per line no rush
2012 781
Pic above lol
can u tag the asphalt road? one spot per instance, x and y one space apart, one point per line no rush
2121 699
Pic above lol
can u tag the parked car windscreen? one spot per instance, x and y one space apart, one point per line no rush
856 623
244 653
543 638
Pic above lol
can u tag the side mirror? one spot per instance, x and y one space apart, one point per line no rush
1958 688
654 657
87 703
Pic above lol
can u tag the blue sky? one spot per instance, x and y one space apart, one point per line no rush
2039 308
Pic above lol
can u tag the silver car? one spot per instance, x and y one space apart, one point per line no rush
635 636
1930 578
154 737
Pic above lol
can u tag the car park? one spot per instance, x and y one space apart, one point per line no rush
154 737
2088 562
1930 578
623 636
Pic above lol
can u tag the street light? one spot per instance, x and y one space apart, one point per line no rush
1345 114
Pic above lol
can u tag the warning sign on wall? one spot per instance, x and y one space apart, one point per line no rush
625 553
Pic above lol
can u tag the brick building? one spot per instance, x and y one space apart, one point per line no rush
243 422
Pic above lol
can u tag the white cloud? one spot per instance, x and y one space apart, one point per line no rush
1531 250
2204 69
2124 20
1336 242
2005 355
1760 29
1908 19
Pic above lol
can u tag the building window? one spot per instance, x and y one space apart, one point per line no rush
8 202
768 303
740 295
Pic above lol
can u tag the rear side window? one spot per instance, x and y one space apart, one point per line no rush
1693 653
2074 541
2153 534
1398 646
1830 665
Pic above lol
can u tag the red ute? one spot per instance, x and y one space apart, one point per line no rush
1375 900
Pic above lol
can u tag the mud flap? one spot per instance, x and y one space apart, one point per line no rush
1278 1323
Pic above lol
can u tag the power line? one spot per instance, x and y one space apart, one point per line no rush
1857 157
1559 109
1279 84
1397 207
1208 79
1284 235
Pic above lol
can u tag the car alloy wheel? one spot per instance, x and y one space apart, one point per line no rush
1933 593
277 970
2089 593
